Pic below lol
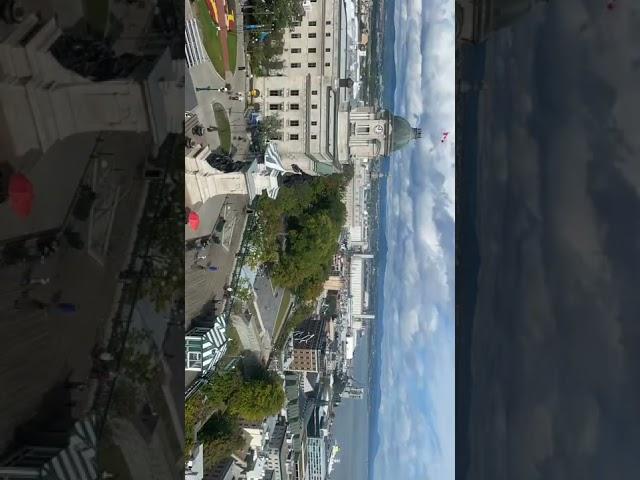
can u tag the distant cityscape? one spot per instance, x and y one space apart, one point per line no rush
313 107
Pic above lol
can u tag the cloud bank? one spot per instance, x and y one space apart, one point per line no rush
555 362
416 416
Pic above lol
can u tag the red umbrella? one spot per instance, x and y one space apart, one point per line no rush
21 194
194 220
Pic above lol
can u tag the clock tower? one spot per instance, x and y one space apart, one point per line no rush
374 133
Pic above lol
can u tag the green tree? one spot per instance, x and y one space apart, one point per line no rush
140 362
222 389
296 235
257 399
264 132
126 398
221 436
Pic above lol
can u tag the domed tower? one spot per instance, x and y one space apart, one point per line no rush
378 132
402 133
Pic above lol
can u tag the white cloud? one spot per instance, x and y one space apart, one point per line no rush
417 353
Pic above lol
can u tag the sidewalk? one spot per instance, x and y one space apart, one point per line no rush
45 347
204 75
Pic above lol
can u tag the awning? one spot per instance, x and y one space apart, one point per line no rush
272 158
79 459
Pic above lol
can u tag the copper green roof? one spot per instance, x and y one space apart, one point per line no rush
401 132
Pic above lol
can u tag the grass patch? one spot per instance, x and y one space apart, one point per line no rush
232 45
282 313
96 13
210 37
224 129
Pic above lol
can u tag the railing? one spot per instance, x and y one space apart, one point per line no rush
132 292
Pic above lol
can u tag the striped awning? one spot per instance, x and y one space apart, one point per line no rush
78 461
214 344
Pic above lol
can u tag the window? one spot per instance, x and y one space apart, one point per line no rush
312 64
275 93
314 106
194 356
294 123
296 35
293 136
313 137
312 23
296 50
277 136
328 50
328 22
296 24
314 123
275 106
295 65
314 92
327 64
294 106
328 34
312 50
312 35
294 93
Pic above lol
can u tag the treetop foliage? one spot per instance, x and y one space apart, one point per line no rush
296 235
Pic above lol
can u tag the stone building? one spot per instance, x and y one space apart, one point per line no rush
321 129
309 342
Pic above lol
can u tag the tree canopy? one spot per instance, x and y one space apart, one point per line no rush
270 19
296 235
264 132
221 436
258 399
249 398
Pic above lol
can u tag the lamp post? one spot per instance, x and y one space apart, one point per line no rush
211 89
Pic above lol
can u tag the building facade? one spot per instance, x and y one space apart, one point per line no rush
316 458
312 97
309 341
277 452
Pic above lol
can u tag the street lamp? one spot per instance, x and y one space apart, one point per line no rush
223 89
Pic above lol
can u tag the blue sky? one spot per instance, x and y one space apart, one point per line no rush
416 416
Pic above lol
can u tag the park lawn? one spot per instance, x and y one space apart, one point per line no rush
96 13
282 313
210 37
232 45
224 129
